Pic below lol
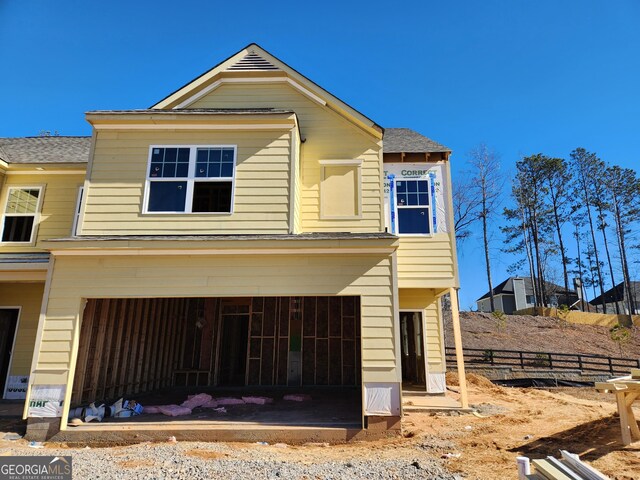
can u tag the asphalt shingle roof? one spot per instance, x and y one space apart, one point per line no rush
45 149
398 140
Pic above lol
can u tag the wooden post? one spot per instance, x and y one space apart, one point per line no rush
624 418
457 337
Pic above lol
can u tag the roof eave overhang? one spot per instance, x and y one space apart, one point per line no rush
195 121
191 247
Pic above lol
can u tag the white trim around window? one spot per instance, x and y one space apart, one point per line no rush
35 214
76 216
190 179
428 207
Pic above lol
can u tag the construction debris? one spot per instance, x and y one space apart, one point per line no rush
257 400
627 390
297 397
570 467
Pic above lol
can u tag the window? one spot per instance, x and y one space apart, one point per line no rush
21 210
76 217
340 189
414 207
191 179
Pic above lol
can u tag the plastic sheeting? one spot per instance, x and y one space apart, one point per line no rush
382 399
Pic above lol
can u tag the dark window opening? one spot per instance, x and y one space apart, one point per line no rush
212 197
17 229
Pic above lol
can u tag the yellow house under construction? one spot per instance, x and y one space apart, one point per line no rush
250 232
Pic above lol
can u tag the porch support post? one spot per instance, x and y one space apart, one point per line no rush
457 338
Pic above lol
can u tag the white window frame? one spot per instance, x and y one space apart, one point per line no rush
191 179
354 162
76 216
36 215
429 207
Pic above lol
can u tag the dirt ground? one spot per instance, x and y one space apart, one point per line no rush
511 422
533 423
544 334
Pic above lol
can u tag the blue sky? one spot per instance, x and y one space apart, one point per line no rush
521 76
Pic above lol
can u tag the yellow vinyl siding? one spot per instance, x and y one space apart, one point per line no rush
114 200
364 275
60 193
426 262
326 135
425 301
28 296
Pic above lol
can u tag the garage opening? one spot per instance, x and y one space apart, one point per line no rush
161 350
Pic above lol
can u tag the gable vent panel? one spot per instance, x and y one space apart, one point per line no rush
252 61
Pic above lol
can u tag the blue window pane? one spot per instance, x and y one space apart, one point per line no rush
227 170
412 186
413 220
401 187
412 199
401 198
155 170
201 169
182 170
203 155
183 155
227 155
169 170
215 155
214 170
157 154
423 186
167 196
170 155
424 199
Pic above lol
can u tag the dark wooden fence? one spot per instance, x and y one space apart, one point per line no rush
549 360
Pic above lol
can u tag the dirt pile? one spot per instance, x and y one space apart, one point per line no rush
534 423
546 334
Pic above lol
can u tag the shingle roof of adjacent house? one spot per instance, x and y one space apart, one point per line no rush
507 287
45 149
617 294
399 140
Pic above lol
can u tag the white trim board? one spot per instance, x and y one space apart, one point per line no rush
13 346
250 80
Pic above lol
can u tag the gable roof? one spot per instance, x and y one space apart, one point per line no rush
405 140
616 294
506 287
25 150
253 58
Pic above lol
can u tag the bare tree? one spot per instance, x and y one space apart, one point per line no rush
585 165
486 187
466 205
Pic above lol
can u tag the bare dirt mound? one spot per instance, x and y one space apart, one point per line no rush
544 334
530 422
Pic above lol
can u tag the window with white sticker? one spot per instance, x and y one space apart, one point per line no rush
191 179
413 204
21 214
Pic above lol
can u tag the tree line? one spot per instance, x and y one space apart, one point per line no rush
554 203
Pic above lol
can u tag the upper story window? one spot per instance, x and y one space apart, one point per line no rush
414 207
191 179
21 214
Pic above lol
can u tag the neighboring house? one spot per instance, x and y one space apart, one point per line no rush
516 293
619 295
250 230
